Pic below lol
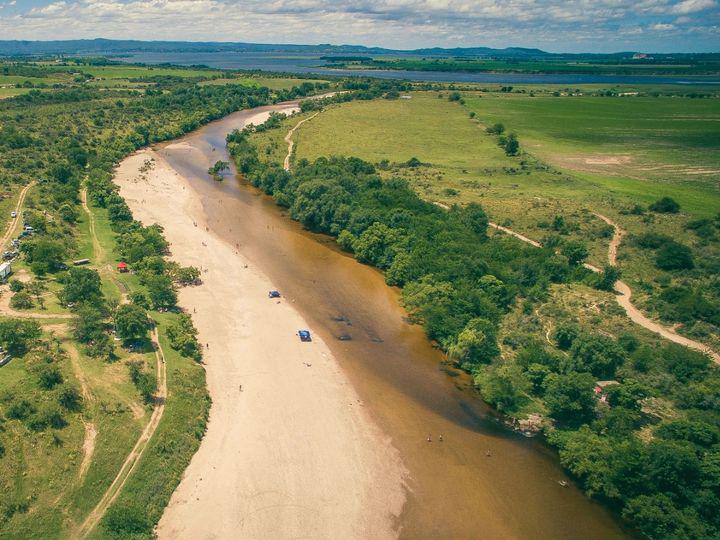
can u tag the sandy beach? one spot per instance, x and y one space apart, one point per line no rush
290 450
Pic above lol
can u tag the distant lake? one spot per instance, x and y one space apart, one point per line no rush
300 63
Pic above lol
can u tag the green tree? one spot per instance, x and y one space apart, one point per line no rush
476 344
658 517
88 324
607 278
570 397
183 337
70 398
49 377
161 291
596 353
504 386
131 323
474 217
377 245
187 275
44 255
17 336
512 145
81 285
565 335
67 213
575 251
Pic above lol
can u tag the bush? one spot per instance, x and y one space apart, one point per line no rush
674 256
21 300
123 521
16 285
20 410
666 205
70 398
651 240
496 129
49 377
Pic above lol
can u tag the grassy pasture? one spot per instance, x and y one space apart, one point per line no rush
621 143
273 83
131 72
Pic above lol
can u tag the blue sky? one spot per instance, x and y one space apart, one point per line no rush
554 25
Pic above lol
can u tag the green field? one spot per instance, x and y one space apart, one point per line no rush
273 83
621 143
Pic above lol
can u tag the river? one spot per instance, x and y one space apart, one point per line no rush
483 480
305 64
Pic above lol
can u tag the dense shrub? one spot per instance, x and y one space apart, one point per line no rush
666 205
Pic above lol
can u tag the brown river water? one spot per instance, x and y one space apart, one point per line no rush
456 490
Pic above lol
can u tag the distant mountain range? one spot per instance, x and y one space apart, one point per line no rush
111 46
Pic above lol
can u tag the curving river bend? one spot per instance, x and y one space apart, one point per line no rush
456 489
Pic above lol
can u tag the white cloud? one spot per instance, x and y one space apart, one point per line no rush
693 6
393 23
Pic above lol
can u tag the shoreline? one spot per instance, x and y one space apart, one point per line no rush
289 449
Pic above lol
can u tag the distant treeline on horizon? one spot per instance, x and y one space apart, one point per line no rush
111 46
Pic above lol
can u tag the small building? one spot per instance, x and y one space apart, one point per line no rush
122 267
5 271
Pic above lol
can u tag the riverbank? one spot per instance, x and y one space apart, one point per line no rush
289 449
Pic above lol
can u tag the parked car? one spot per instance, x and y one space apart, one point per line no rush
304 335
13 214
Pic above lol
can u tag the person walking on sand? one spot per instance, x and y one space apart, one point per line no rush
429 439
440 438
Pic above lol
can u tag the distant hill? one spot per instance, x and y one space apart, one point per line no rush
112 47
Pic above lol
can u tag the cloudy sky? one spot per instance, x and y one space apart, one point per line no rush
555 25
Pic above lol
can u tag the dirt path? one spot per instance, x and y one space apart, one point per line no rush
13 224
624 292
136 453
616 239
88 397
98 251
290 143
515 234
